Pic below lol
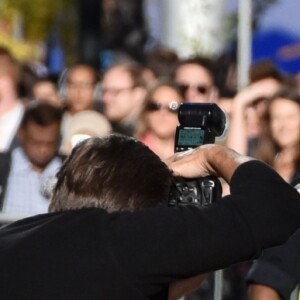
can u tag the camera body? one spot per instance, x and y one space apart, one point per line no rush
199 124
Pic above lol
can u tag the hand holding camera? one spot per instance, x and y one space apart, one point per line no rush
197 156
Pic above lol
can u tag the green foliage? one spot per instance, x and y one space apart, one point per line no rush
39 16
39 19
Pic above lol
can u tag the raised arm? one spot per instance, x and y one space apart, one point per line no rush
237 133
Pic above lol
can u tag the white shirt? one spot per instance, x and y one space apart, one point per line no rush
24 193
9 124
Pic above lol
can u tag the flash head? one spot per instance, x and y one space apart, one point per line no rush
199 123
203 115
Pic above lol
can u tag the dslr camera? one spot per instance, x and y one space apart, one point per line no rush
199 124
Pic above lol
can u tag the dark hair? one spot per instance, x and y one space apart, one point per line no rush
47 79
115 173
204 62
264 69
41 113
5 52
268 149
162 62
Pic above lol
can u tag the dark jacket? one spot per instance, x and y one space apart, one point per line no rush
91 254
279 267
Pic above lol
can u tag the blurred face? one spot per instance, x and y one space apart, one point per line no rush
285 122
196 83
118 95
40 143
162 112
9 67
80 89
46 91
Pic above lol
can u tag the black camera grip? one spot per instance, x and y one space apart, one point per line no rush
199 192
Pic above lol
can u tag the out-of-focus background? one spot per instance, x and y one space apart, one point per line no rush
72 69
54 34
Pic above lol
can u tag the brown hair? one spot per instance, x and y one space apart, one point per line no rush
114 173
268 148
201 61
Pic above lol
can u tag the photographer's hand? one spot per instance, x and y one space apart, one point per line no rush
211 159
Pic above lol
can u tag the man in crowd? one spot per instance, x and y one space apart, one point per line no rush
196 77
123 96
27 170
112 235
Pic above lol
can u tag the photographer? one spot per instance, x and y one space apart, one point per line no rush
111 234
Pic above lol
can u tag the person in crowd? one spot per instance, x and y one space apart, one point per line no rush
11 107
158 119
26 171
248 106
46 89
196 77
123 92
110 209
160 63
276 273
80 90
280 138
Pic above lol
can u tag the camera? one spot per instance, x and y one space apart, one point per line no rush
199 124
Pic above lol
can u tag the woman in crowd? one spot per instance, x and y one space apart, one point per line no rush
280 140
158 119
277 272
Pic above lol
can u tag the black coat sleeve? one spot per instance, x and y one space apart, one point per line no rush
278 267
165 244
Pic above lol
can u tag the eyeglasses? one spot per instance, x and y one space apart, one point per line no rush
116 91
201 89
172 107
80 84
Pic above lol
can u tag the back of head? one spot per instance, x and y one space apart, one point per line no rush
115 173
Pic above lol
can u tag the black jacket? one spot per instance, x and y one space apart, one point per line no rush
91 254
279 267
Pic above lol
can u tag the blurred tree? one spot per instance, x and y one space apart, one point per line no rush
40 18
38 15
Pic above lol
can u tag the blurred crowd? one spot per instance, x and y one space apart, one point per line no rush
42 117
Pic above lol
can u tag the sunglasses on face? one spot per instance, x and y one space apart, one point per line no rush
171 107
201 89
